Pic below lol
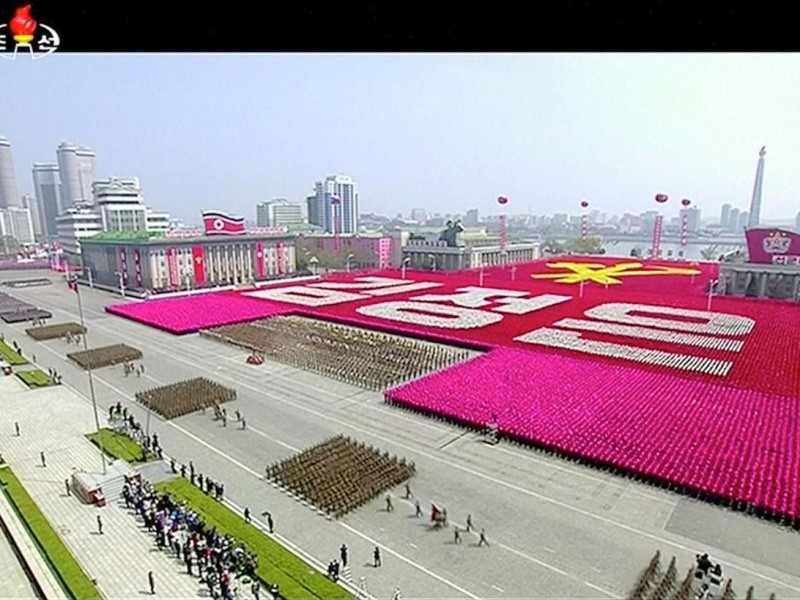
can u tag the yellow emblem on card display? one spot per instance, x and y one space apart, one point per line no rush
607 274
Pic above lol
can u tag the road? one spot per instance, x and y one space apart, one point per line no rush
556 529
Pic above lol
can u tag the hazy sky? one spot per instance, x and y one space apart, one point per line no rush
446 132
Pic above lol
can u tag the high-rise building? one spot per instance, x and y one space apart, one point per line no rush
121 206
16 222
419 215
725 216
733 219
471 219
47 188
29 202
744 220
343 188
77 168
755 203
8 183
693 218
278 213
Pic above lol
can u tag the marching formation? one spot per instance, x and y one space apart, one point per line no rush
51 332
360 357
105 356
178 399
340 474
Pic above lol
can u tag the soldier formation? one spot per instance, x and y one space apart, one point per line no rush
177 399
340 474
368 359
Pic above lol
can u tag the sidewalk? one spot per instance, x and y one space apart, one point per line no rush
54 420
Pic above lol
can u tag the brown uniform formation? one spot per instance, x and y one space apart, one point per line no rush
105 356
656 584
360 357
51 332
340 474
178 399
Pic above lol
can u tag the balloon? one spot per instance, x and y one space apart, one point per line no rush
502 200
686 202
661 198
584 204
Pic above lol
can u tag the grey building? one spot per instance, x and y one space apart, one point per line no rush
47 189
724 218
157 262
733 219
8 183
325 213
472 218
278 213
759 281
29 202
76 165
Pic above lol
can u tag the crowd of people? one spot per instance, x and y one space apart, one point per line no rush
123 422
340 474
105 356
178 399
360 357
224 565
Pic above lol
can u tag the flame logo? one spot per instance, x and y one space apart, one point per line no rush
22 25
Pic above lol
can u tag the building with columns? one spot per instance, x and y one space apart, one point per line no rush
141 261
760 280
435 254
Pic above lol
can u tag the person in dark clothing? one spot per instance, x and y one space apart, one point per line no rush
376 556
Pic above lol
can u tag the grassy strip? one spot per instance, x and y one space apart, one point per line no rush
34 379
13 357
276 564
119 445
69 573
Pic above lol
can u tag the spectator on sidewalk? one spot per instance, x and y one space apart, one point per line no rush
152 581
376 555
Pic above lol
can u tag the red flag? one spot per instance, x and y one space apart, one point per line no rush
259 260
172 267
218 223
199 265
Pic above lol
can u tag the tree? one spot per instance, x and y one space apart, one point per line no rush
709 252
592 245
553 247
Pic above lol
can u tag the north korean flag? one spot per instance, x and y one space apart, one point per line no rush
218 223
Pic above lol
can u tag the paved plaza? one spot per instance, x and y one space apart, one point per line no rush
556 529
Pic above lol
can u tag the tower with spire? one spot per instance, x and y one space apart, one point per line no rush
755 204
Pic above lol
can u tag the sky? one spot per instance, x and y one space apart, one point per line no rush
444 132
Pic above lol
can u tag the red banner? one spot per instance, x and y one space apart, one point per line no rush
123 266
259 260
198 262
172 267
137 261
773 246
218 223
279 249
656 249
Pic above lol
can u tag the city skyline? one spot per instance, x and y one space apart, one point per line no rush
444 132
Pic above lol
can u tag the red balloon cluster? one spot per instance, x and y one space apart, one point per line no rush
584 204
502 200
661 198
686 202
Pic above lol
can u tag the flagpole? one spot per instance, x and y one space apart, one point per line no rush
91 382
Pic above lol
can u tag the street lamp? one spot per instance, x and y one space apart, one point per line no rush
313 262
406 260
347 261
91 379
